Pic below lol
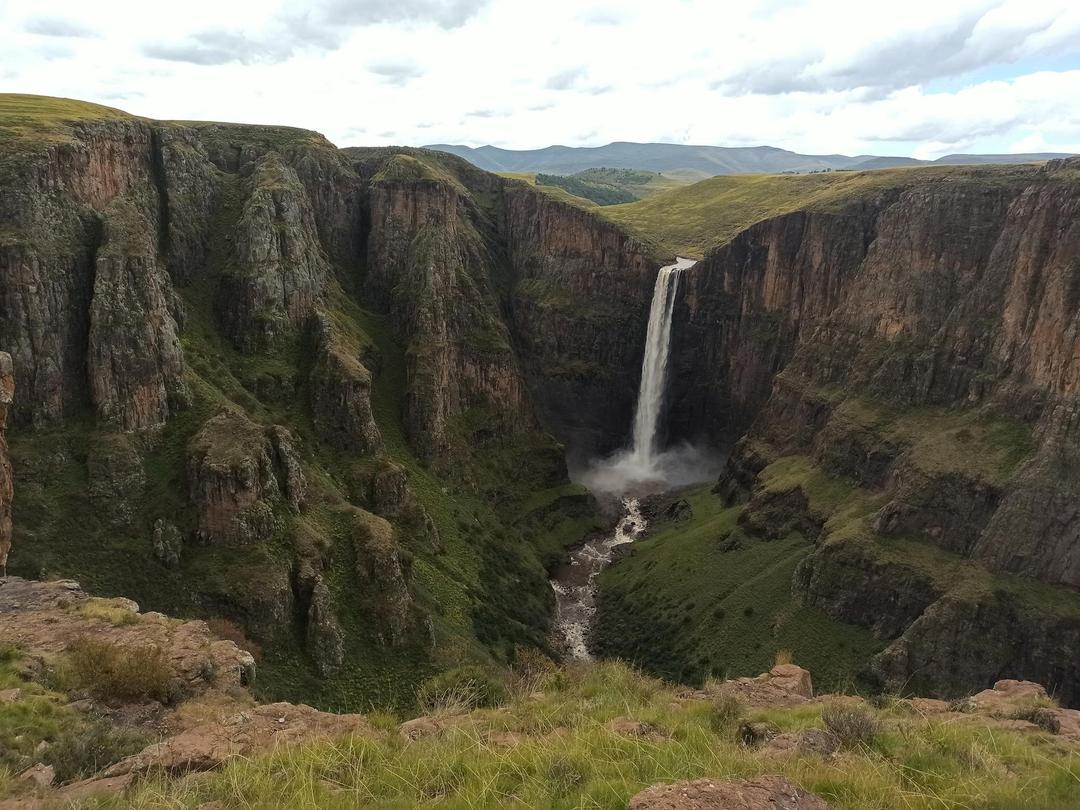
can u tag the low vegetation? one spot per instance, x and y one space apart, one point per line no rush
688 221
114 673
684 606
38 724
591 737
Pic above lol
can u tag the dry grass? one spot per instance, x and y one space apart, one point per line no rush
115 673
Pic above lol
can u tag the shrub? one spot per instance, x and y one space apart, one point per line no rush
784 657
851 725
962 705
460 690
8 652
726 711
116 673
1044 718
530 670
82 752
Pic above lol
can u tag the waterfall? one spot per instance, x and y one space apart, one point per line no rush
654 365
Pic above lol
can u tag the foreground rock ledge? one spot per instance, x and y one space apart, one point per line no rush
764 793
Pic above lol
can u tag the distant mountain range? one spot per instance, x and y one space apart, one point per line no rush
696 162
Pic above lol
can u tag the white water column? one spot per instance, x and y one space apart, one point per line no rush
654 365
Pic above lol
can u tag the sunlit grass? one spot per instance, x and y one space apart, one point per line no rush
558 750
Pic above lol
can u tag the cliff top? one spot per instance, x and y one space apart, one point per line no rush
22 115
589 736
688 221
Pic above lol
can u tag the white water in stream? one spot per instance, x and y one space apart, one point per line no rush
575 587
644 468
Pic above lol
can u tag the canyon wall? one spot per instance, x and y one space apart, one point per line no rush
7 483
918 345
298 388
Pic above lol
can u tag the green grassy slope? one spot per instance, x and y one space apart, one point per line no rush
554 746
684 608
688 221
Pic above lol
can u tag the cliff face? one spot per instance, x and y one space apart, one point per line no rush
278 384
920 347
7 483
429 265
578 313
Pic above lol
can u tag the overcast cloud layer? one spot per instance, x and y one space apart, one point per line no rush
917 78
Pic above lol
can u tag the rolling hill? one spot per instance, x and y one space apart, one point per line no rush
696 162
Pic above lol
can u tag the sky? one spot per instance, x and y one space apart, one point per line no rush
921 78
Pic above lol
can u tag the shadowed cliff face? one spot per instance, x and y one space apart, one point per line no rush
921 347
7 488
578 313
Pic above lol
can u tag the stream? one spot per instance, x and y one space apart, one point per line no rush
575 582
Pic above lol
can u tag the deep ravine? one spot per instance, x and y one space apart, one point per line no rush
627 474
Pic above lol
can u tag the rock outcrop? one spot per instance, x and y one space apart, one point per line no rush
279 272
237 472
134 359
44 618
341 390
7 483
382 576
763 793
430 266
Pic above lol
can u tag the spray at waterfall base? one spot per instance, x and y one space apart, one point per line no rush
646 468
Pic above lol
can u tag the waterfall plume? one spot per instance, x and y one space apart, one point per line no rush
647 466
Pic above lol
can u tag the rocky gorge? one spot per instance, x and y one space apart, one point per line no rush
327 396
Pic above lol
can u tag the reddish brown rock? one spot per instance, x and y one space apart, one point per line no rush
237 472
793 679
45 618
258 730
763 793
783 685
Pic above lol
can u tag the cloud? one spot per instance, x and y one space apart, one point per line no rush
59 27
320 26
974 39
56 51
396 73
566 79
220 47
482 114
604 15
444 13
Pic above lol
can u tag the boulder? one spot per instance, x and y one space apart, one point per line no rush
809 741
258 730
763 793
40 776
791 678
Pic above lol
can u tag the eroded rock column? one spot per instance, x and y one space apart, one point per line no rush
7 394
